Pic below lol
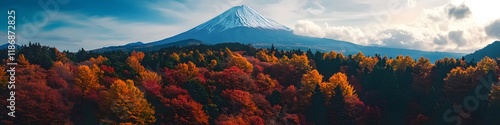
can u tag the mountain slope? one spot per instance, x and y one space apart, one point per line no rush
245 25
490 50
240 16
5 46
237 24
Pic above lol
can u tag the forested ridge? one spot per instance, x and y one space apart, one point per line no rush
237 84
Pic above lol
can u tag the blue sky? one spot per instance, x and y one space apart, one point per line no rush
431 25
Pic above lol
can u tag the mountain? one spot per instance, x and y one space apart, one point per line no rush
245 25
238 24
130 46
182 43
148 47
5 46
490 50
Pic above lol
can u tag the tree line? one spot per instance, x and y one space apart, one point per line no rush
235 83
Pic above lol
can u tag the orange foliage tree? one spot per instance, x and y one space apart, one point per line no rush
86 79
3 78
339 79
309 82
422 75
459 81
134 61
181 73
264 57
128 104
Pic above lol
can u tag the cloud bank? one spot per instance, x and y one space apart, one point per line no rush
444 28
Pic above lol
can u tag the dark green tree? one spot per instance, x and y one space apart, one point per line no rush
338 110
317 112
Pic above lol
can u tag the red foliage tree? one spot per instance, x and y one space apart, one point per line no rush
292 119
173 91
289 99
55 81
35 102
285 74
234 78
184 110
107 69
181 108
152 87
265 84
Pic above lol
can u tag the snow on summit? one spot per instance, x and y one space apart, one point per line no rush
240 16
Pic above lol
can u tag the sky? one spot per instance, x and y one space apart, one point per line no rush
431 25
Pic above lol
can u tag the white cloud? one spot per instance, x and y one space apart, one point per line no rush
97 32
493 29
458 12
350 20
444 28
306 27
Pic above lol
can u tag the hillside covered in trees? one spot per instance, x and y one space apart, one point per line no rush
236 84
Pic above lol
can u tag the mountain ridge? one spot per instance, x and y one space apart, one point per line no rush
243 24
490 50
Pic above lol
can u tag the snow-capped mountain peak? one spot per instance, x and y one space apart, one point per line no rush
240 16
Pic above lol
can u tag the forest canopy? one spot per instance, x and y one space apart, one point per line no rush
238 84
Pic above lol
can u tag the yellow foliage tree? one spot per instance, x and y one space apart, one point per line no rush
189 69
235 59
330 55
309 82
368 62
213 63
210 52
340 79
97 71
134 63
487 64
150 76
127 102
264 57
199 56
99 60
358 57
301 62
400 63
86 79
175 56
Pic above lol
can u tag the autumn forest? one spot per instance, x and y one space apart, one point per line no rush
238 84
